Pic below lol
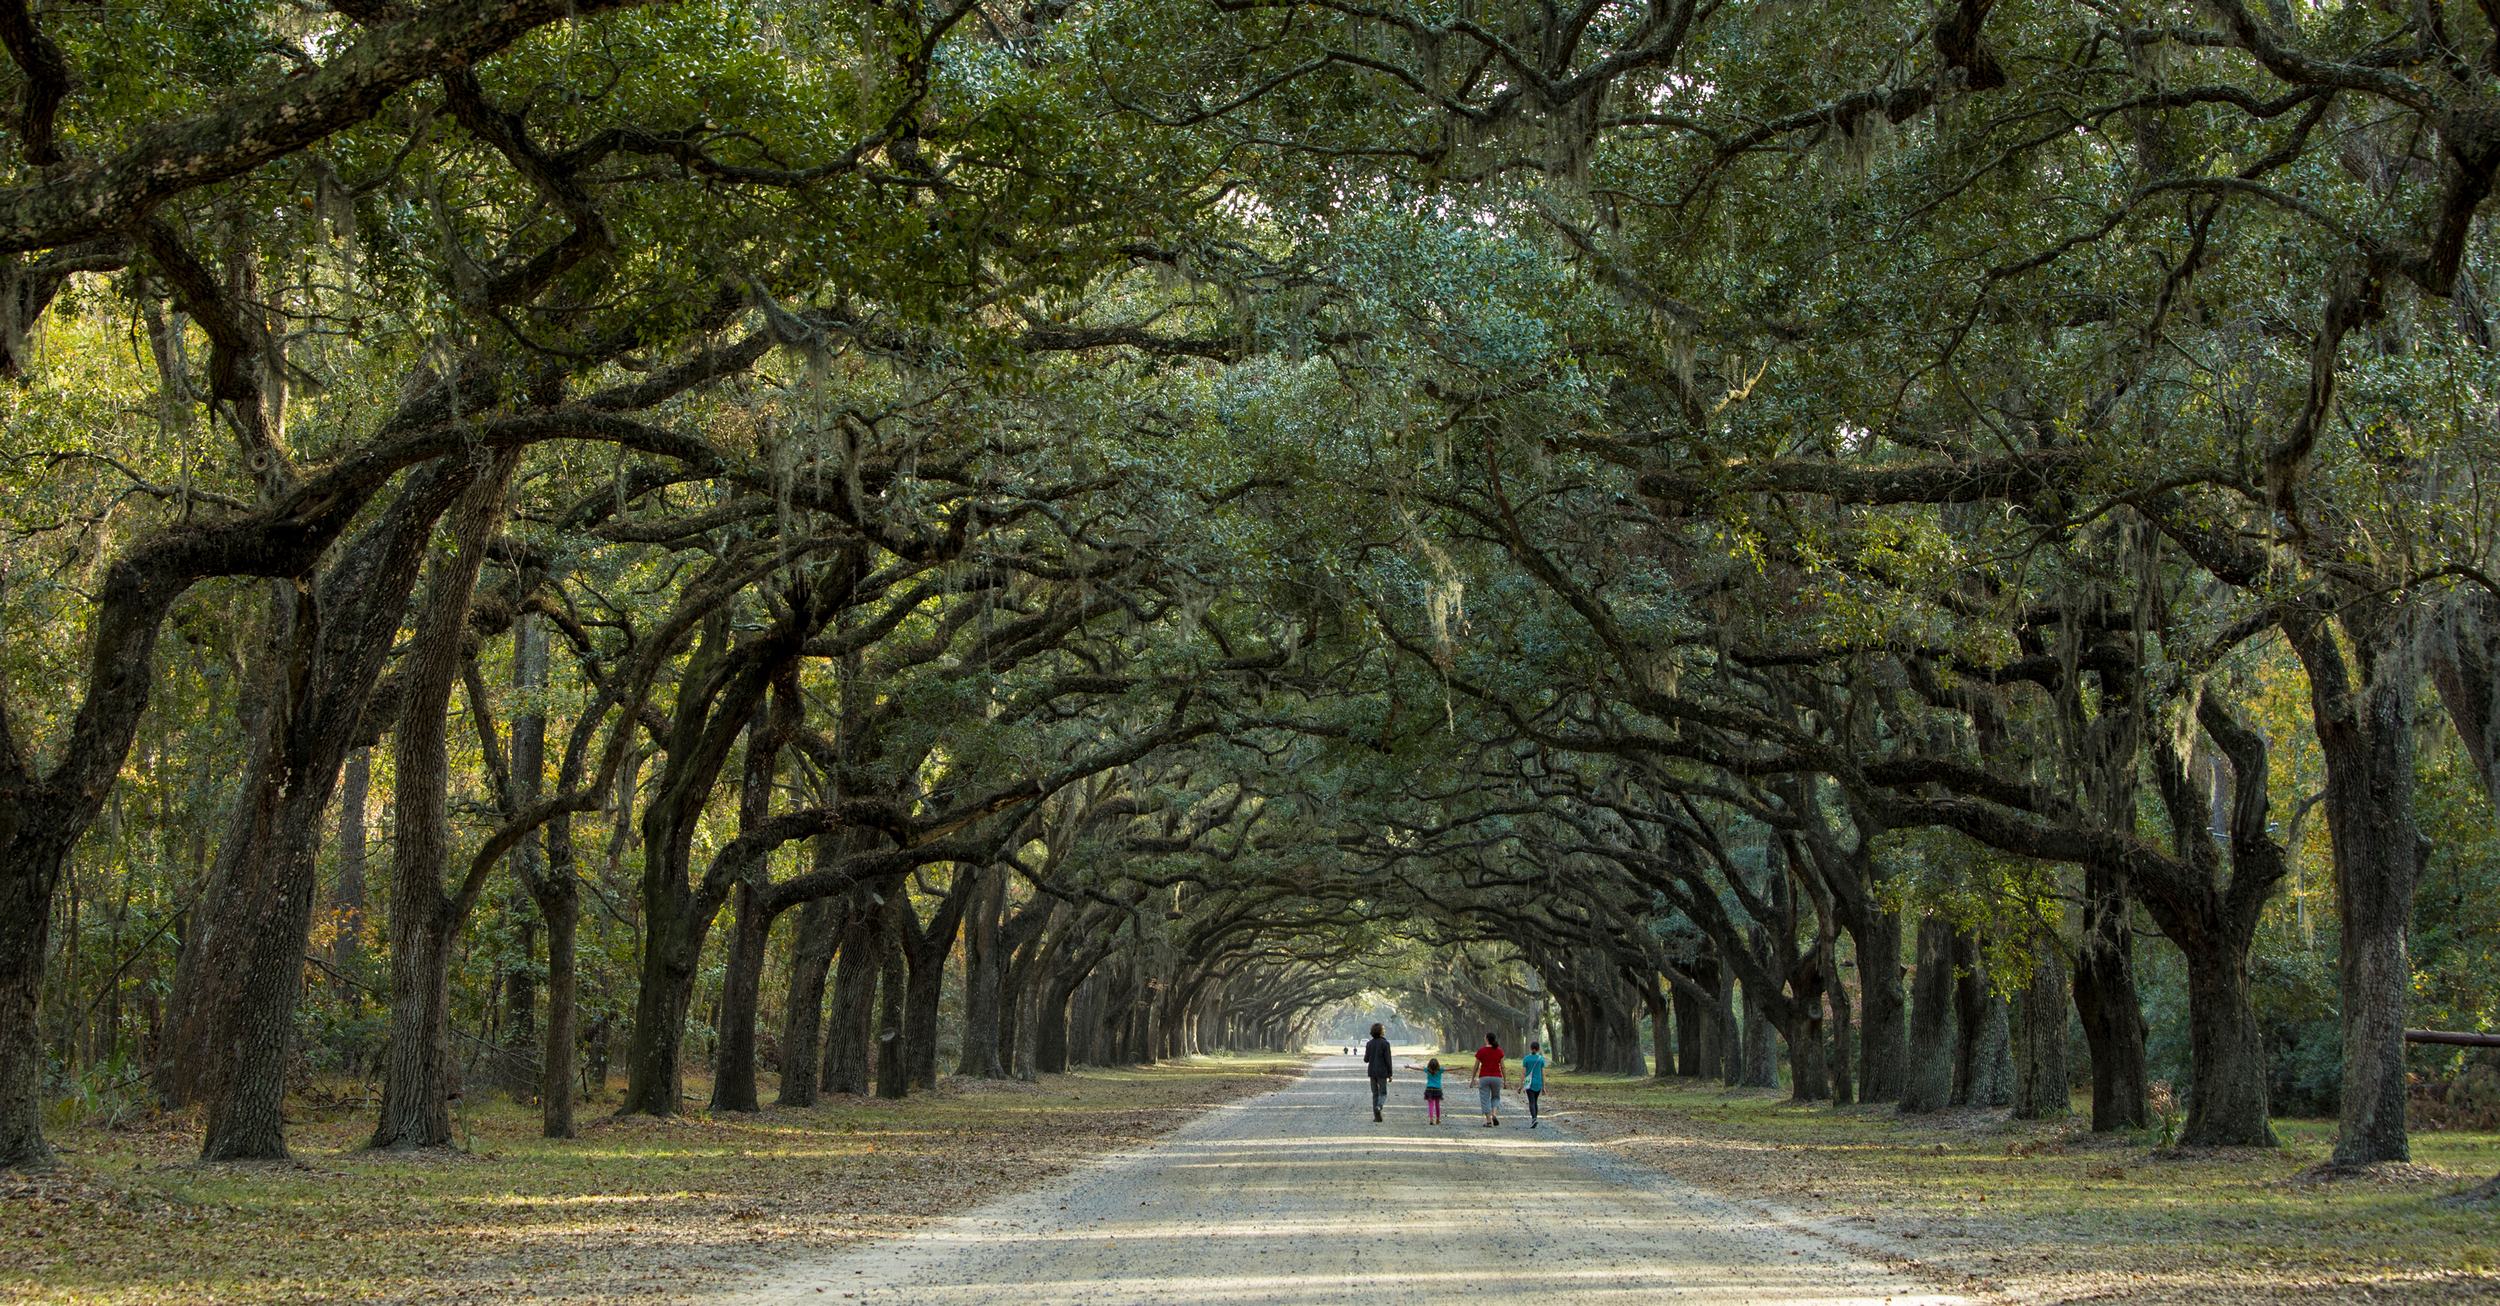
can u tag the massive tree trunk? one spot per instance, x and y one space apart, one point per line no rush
654 1082
417 1067
925 950
1760 1051
1883 1029
1028 933
1809 1073
817 932
559 909
893 1068
2040 1073
1836 992
742 985
850 1024
1983 1063
2363 711
922 989
984 978
2214 922
1688 1061
416 1062
1661 1027
1050 1034
2226 1054
1929 1083
2106 1002
31 860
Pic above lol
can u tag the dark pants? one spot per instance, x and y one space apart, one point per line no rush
1380 1091
1533 1095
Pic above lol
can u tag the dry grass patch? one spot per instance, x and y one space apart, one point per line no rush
2049 1212
633 1210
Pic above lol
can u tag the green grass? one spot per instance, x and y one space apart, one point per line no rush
2051 1209
632 1209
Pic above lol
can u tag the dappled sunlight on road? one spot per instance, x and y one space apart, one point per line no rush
1299 1197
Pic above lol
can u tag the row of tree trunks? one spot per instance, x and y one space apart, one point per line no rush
231 1014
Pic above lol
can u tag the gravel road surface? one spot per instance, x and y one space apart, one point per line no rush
1297 1197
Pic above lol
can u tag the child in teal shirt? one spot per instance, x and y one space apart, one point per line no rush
1532 1077
1432 1090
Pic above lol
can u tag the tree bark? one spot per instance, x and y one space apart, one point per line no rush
1687 1034
2106 1001
1809 1074
417 1063
1050 1034
1983 1062
559 908
2226 1054
1929 1084
742 985
551 880
756 905
2040 1070
523 1066
1661 1027
1760 1050
984 978
817 934
925 952
893 1067
2363 711
850 1026
35 858
347 895
1883 1026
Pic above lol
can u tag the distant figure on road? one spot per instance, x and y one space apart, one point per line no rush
1376 1060
1489 1079
1532 1079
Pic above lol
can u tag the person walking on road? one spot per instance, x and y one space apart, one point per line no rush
1532 1079
1376 1060
1489 1080
1432 1089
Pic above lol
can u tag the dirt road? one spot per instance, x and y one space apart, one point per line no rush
1297 1197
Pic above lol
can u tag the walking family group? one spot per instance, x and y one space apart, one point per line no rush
1487 1073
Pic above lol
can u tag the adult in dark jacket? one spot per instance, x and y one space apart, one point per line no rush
1376 1060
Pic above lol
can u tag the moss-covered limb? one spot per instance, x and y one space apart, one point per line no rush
636 1208
2049 1211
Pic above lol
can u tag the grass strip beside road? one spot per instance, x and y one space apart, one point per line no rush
634 1210
2025 1211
